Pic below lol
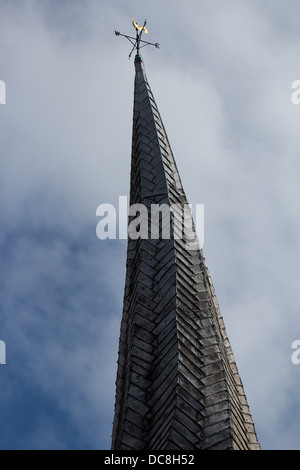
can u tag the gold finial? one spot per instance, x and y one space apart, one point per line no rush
140 28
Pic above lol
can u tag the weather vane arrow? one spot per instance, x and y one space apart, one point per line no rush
137 42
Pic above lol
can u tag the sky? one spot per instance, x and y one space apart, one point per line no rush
222 80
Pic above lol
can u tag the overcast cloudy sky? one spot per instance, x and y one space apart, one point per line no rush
222 80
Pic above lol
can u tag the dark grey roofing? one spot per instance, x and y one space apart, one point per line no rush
178 385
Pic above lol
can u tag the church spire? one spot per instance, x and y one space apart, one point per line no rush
178 386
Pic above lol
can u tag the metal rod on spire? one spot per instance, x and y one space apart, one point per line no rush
137 41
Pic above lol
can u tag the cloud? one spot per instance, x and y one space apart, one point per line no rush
222 80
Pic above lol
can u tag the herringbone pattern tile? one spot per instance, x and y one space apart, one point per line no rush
177 385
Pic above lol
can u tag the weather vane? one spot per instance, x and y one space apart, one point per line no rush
137 42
